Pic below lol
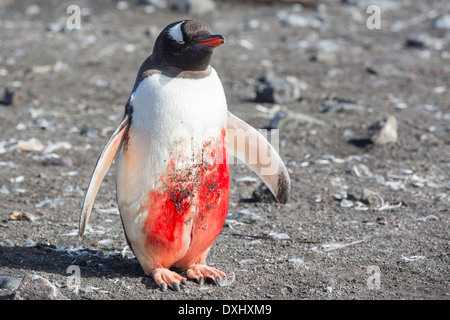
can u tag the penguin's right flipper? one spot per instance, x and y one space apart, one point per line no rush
252 148
103 163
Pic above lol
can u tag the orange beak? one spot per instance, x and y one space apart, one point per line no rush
212 41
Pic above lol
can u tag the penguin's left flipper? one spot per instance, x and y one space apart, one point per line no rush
252 148
102 166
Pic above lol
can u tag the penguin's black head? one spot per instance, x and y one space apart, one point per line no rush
186 45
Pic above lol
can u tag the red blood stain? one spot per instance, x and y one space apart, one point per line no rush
189 209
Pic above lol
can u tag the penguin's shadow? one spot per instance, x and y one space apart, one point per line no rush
43 258
92 264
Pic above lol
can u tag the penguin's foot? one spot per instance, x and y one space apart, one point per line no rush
164 277
200 272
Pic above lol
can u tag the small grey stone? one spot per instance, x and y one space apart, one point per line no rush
385 131
279 236
279 90
297 261
262 194
327 57
294 121
275 121
248 261
414 42
9 282
336 107
246 216
363 195
59 25
90 132
34 287
443 22
288 287
157 3
194 7
32 10
7 97
61 161
294 20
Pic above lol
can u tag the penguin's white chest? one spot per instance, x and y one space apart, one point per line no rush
172 118
167 108
178 125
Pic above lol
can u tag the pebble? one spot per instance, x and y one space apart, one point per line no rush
90 132
336 107
103 242
411 259
414 42
9 282
7 97
35 287
364 195
44 124
32 10
345 203
280 115
194 7
8 243
32 145
246 216
279 236
18 215
384 131
294 121
51 203
279 90
327 57
429 217
442 22
157 3
59 25
17 179
294 20
247 261
262 194
122 5
361 170
288 287
297 261
246 179
40 69
57 161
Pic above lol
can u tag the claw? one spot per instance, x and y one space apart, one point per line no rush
175 286
164 277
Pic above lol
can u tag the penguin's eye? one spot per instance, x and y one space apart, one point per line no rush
176 33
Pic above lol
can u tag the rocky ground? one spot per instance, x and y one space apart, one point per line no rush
368 216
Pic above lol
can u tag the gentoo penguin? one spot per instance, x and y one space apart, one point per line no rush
172 151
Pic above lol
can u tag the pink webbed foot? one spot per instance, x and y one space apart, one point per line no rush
164 277
200 272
